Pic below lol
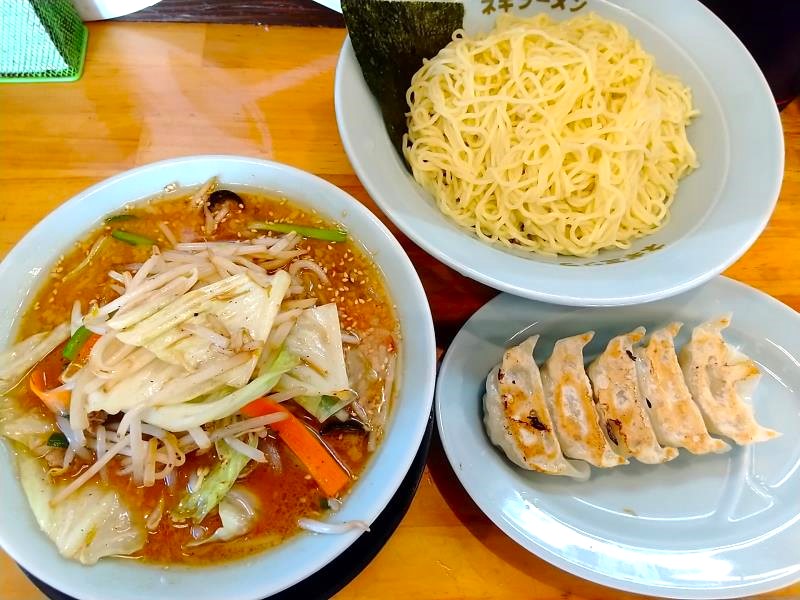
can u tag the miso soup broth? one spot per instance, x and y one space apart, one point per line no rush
203 375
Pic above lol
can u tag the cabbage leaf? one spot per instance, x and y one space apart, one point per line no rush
324 407
86 526
29 428
22 356
198 504
160 383
237 519
316 341
180 417
238 302
190 368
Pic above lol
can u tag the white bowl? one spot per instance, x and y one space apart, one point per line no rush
269 572
719 211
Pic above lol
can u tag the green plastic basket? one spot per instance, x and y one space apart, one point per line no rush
41 40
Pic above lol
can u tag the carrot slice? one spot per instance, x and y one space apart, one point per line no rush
56 400
259 408
83 354
324 468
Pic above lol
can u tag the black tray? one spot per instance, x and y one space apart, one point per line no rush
335 575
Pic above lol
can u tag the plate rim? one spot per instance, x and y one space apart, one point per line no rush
531 544
347 63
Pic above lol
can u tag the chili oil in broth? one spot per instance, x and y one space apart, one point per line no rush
357 288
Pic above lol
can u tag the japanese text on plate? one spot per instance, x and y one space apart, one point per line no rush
490 6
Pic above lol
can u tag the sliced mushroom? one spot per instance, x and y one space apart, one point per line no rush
219 197
352 425
218 206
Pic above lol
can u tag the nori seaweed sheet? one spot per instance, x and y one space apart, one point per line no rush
390 38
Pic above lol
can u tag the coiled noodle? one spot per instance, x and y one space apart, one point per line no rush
551 137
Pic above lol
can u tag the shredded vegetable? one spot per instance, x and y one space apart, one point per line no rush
96 247
316 233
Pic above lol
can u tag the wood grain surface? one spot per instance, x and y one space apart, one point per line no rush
154 91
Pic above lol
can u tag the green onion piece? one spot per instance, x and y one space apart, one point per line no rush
329 235
76 342
120 217
58 440
134 239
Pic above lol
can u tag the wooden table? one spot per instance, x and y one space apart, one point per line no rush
153 91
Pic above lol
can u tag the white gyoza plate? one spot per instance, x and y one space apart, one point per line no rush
698 527
718 212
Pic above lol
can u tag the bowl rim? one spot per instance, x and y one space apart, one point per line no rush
420 385
707 259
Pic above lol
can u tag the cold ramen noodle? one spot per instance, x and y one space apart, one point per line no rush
550 137
198 379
